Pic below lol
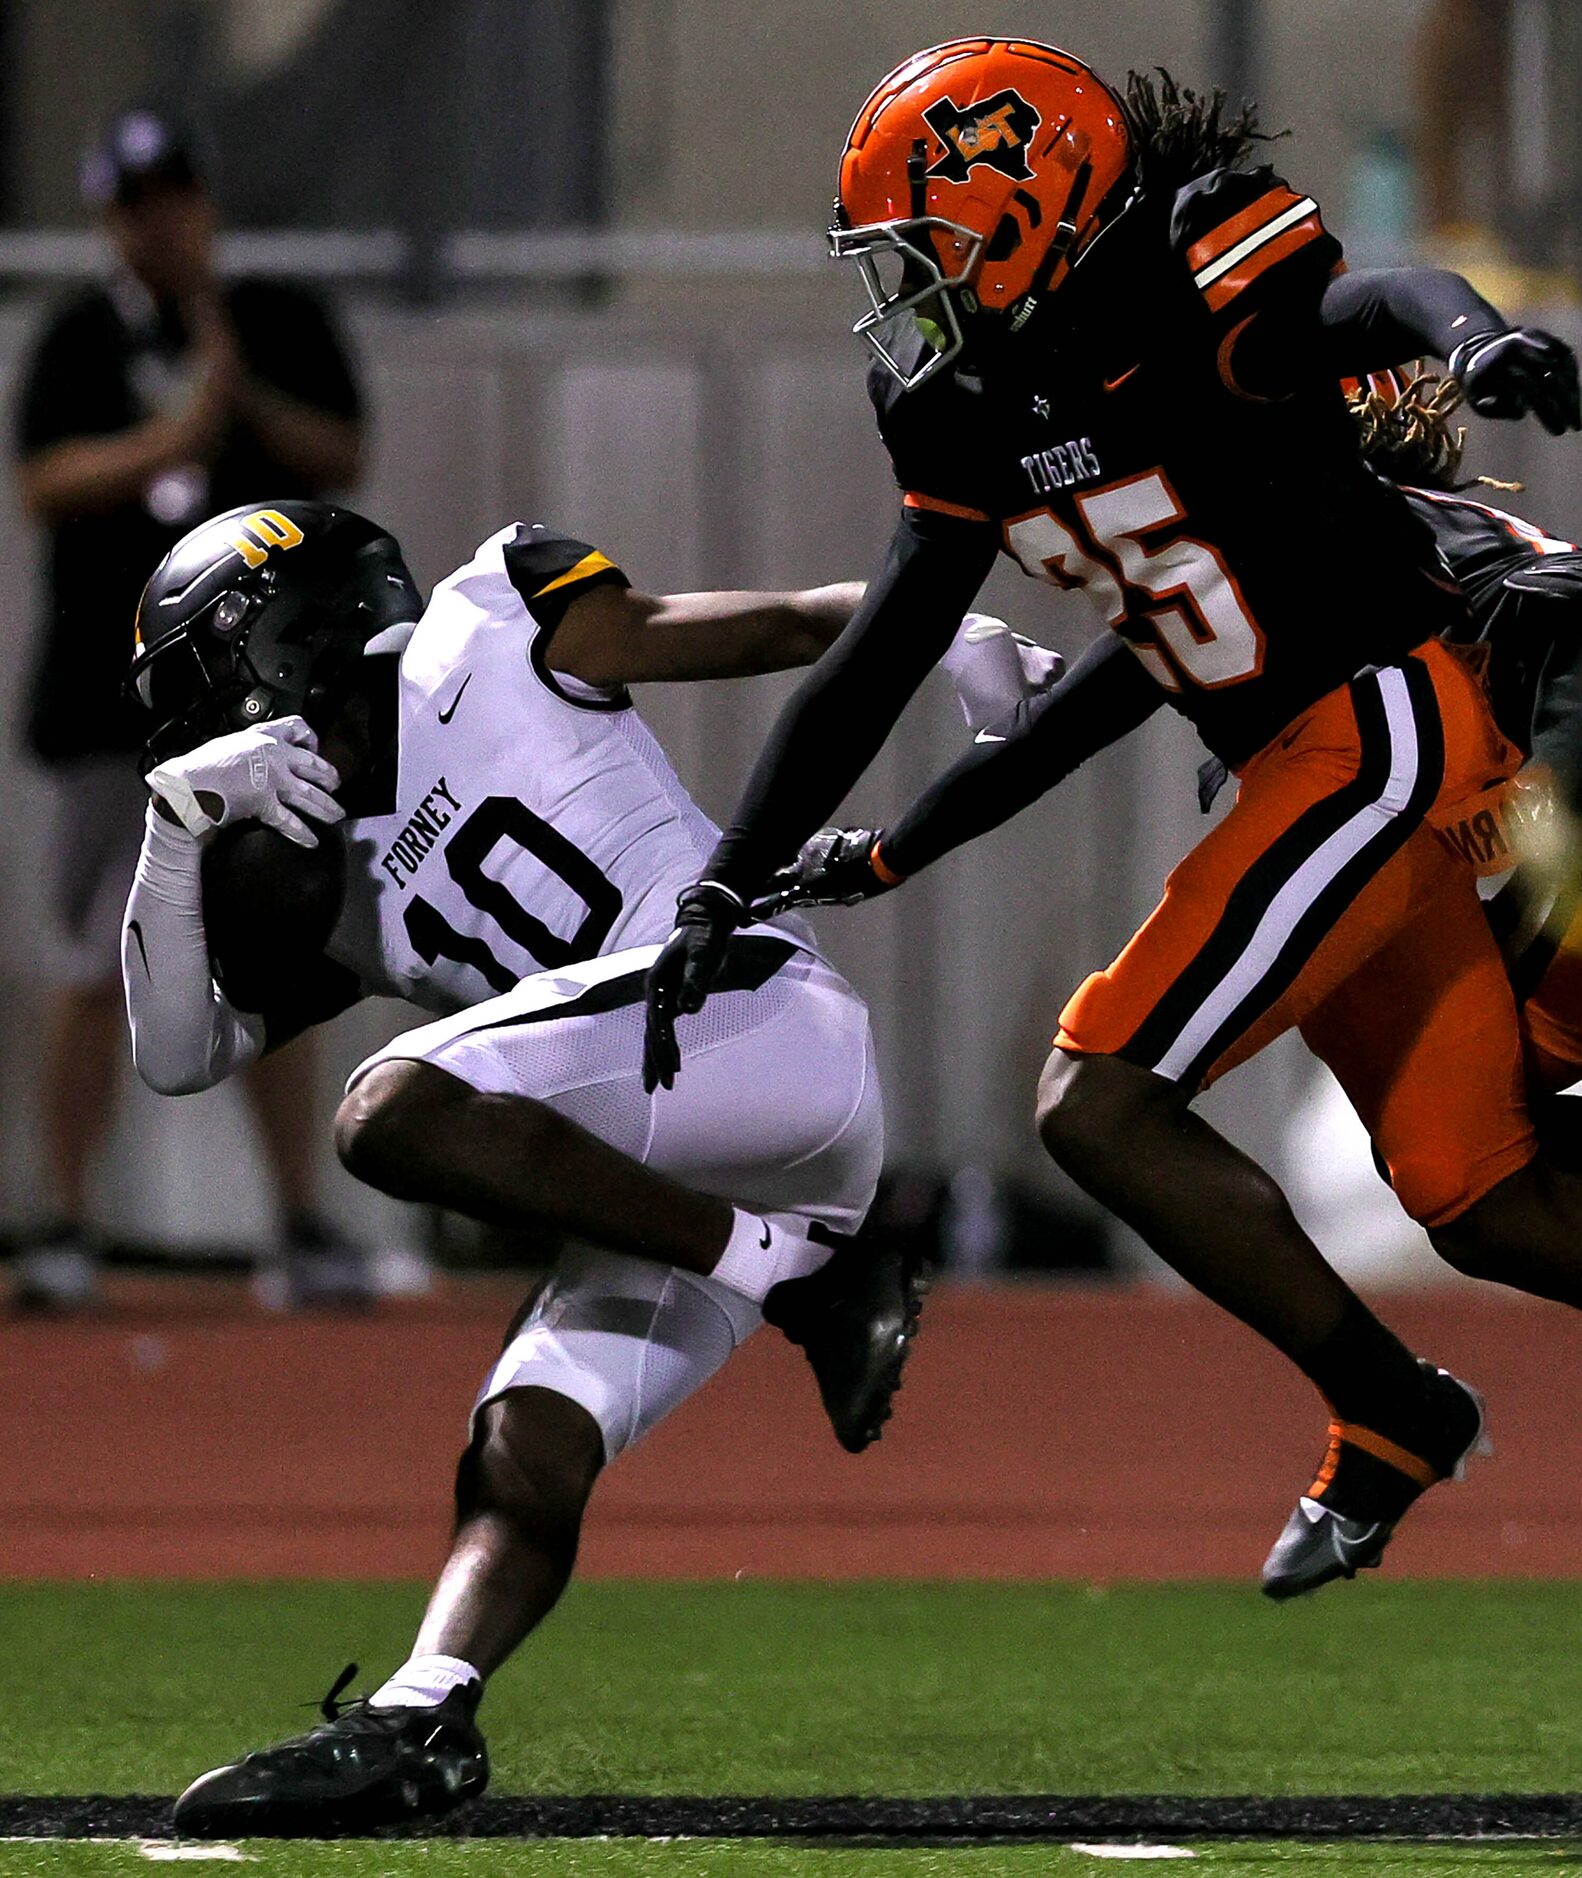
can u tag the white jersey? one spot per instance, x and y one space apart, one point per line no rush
537 822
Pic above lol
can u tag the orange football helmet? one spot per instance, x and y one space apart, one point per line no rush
976 176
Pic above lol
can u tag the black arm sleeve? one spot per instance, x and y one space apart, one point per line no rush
848 705
1105 695
1375 317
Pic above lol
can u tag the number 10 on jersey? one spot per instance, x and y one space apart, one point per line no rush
1172 599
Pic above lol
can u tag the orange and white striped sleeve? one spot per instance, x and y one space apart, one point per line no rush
1236 245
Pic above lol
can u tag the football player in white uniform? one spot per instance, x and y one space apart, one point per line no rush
501 841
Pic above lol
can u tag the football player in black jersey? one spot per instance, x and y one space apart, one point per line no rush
1108 347
1523 631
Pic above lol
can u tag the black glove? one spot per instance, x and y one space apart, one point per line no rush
1524 370
834 868
680 979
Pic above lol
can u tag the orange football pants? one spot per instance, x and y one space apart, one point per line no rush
1326 901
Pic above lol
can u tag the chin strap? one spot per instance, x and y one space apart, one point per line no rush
917 178
1061 244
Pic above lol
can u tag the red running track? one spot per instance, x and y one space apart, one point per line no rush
1094 1434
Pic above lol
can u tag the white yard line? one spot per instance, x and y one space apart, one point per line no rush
160 1850
1134 1851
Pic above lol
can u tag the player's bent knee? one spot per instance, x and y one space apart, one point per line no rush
383 1124
1091 1105
1475 1243
1465 1252
532 1462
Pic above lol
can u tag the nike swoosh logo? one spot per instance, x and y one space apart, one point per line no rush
763 1243
1343 1543
988 736
134 927
1114 384
450 710
1350 1546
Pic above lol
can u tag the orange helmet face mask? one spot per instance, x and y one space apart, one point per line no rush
976 176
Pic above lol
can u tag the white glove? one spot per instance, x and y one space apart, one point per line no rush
994 669
1041 666
262 775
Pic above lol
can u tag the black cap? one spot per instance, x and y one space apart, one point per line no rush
139 150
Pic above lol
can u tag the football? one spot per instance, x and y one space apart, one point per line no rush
269 906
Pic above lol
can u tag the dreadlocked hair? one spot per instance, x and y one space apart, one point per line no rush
1180 134
1411 440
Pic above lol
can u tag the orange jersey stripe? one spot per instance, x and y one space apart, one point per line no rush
886 873
1222 239
1226 288
1383 1449
936 506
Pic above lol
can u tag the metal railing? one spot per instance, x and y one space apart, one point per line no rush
466 257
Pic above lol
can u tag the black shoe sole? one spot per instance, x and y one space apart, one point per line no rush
352 1817
886 1385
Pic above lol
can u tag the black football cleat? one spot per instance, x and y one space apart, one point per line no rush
362 1768
854 1319
1342 1525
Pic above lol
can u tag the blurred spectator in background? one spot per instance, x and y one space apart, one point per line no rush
1463 128
1492 147
150 403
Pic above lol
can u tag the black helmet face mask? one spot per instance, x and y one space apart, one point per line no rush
258 615
191 688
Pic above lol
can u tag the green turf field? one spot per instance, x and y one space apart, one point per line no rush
563 1858
808 1690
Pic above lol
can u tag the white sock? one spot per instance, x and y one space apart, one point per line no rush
758 1255
424 1682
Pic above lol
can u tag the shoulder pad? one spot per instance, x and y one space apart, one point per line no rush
549 570
1202 204
1233 226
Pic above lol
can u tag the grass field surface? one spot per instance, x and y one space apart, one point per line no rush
560 1858
751 1688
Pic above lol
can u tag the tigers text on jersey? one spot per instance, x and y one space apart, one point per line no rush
1532 639
536 823
1227 530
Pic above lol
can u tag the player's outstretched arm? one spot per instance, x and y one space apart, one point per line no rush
826 737
1378 317
1106 695
847 706
613 636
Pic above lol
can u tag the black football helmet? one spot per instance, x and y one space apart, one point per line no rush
265 612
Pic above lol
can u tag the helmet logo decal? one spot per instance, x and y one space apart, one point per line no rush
996 132
258 533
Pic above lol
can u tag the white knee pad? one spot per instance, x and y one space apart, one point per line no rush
626 1339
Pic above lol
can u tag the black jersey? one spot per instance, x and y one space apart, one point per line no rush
1533 636
1219 518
